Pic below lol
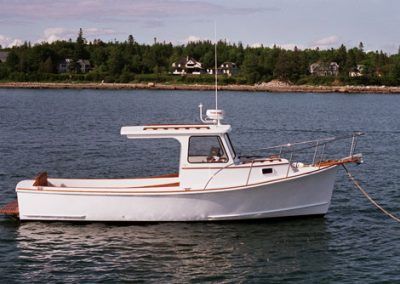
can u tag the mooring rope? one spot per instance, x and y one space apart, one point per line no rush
369 197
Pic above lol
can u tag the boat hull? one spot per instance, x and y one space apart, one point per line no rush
308 194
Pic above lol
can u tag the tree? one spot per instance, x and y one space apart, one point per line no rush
80 52
361 46
131 40
80 40
249 68
284 68
116 61
12 60
47 66
396 71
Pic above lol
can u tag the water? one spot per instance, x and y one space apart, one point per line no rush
72 133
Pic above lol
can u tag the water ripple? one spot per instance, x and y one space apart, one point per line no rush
76 134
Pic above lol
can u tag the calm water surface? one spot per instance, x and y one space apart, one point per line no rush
76 134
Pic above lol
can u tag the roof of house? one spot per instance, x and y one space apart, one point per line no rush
80 61
228 65
322 65
184 60
84 61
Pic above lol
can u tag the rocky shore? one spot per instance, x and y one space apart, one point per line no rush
273 86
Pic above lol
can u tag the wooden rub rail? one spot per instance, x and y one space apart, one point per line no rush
10 209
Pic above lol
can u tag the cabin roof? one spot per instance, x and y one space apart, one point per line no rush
173 130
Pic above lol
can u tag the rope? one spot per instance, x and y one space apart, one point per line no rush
369 197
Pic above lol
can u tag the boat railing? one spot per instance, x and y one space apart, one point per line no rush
317 144
289 151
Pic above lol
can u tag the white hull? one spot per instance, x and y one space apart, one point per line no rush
308 194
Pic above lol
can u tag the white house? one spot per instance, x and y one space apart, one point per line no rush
229 68
357 71
226 68
187 65
83 65
324 69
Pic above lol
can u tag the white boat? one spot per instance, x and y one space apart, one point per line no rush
213 183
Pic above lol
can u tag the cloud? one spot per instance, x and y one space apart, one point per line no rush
56 33
9 42
256 45
290 46
193 38
120 9
325 42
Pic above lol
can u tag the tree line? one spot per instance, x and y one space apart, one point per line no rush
130 61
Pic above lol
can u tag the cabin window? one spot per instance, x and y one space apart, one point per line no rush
206 149
267 171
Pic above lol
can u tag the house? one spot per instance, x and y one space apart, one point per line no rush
187 65
3 56
226 68
324 69
229 68
357 71
82 65
211 71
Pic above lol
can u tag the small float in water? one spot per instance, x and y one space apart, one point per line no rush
213 182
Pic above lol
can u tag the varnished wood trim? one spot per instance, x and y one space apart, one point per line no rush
175 184
174 127
173 175
172 124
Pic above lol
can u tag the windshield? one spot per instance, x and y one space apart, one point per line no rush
230 146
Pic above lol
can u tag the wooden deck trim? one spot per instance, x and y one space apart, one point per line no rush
10 209
173 175
168 127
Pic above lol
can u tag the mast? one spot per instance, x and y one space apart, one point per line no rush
216 65
213 115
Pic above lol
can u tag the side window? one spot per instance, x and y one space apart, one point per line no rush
206 149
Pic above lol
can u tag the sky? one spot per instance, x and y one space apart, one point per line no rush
286 23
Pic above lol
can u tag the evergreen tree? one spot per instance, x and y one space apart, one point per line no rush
131 40
361 46
12 60
80 52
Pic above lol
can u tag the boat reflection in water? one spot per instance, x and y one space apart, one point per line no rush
172 251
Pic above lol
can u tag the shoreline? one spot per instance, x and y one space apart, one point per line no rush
198 87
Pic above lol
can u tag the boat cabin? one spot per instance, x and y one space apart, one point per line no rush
203 147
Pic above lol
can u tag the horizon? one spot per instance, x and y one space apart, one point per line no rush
305 24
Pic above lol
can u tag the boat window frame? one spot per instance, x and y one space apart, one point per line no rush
230 145
204 136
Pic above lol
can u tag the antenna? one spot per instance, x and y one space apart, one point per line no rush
216 65
213 116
